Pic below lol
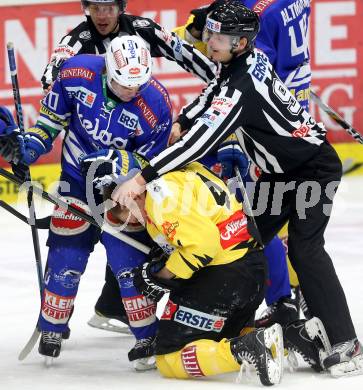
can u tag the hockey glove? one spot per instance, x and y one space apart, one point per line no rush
149 285
9 132
200 14
33 144
110 166
230 154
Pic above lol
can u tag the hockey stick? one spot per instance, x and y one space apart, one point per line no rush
247 206
246 201
61 202
19 115
42 223
334 115
21 170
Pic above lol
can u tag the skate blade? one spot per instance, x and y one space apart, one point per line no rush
315 328
292 361
274 341
48 361
245 372
351 368
105 323
145 364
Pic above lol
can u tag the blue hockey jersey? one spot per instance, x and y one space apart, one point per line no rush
78 102
283 37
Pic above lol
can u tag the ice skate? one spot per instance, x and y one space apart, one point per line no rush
309 339
281 312
345 359
50 346
142 354
263 349
116 324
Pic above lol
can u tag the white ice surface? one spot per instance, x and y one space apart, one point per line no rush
94 359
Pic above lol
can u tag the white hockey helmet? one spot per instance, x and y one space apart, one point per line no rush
128 62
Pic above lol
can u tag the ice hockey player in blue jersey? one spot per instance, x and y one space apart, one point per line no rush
103 103
283 37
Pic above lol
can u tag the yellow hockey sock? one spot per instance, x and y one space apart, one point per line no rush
199 358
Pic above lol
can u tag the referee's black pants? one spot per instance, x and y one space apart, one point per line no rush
306 206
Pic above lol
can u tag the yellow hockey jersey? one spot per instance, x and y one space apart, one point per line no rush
192 215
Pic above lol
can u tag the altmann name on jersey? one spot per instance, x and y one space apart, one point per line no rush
82 94
294 10
199 320
128 119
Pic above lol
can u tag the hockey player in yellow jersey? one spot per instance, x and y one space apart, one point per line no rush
214 271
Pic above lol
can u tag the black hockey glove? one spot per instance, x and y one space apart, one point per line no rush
9 137
200 14
157 254
149 285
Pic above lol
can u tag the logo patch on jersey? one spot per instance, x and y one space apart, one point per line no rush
170 309
125 277
128 119
162 90
254 171
301 132
259 68
161 241
63 51
190 361
75 73
222 104
262 5
169 229
85 35
140 23
146 112
68 278
82 94
199 320
56 309
65 223
140 310
233 230
99 134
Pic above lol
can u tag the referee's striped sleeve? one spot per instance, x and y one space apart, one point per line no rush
218 121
